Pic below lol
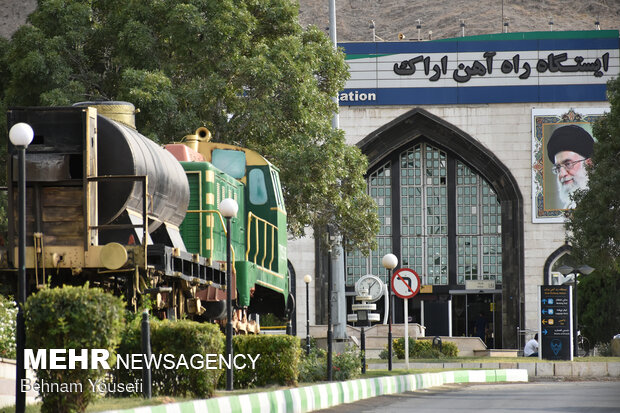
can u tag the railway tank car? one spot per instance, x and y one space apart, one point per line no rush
109 206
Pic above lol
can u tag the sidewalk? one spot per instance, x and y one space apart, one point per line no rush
7 384
7 393
533 368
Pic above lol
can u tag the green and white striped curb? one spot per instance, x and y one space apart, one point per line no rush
322 396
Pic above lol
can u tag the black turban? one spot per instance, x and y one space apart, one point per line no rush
570 138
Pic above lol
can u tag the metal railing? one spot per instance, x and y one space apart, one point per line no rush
266 248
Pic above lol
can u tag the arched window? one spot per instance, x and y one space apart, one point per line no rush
444 208
462 225
380 189
424 212
479 227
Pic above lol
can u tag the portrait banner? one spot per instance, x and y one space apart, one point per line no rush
562 143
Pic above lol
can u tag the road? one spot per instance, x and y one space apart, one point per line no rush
547 397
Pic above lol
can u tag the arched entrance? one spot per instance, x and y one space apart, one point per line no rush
448 153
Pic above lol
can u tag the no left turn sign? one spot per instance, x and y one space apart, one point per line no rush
405 283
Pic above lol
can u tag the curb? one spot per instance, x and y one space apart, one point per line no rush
322 396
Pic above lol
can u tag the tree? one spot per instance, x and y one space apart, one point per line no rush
594 228
243 68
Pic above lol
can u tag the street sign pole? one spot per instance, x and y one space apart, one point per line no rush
406 284
407 333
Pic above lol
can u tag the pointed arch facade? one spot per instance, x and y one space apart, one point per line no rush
383 146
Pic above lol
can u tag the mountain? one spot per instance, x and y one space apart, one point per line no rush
441 17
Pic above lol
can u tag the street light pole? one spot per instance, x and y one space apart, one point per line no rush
585 270
307 280
363 348
330 334
228 208
390 262
21 135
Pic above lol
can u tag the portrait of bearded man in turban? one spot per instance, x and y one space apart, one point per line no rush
569 149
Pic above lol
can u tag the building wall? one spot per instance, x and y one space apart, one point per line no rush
301 255
506 130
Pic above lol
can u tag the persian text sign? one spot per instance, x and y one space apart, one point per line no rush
556 322
535 67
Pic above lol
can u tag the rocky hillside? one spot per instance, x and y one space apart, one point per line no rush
441 17
13 13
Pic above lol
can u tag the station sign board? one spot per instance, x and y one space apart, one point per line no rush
554 66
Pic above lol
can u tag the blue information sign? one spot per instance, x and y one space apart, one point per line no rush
556 338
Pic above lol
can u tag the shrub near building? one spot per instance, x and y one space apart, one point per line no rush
278 361
8 314
345 366
177 341
71 318
424 349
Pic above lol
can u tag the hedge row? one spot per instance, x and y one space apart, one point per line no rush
345 366
182 340
278 362
88 318
424 349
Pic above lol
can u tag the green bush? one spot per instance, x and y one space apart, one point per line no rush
313 366
278 362
398 347
8 314
345 366
72 318
424 349
271 320
182 339
450 349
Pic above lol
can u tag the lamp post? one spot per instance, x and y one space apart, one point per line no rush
21 135
307 280
228 208
585 270
390 262
330 334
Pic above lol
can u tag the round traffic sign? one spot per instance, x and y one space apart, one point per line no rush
405 283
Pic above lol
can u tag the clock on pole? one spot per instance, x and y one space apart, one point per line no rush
372 285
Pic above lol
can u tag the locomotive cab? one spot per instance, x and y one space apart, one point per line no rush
259 234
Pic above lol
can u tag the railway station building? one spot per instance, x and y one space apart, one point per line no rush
457 133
